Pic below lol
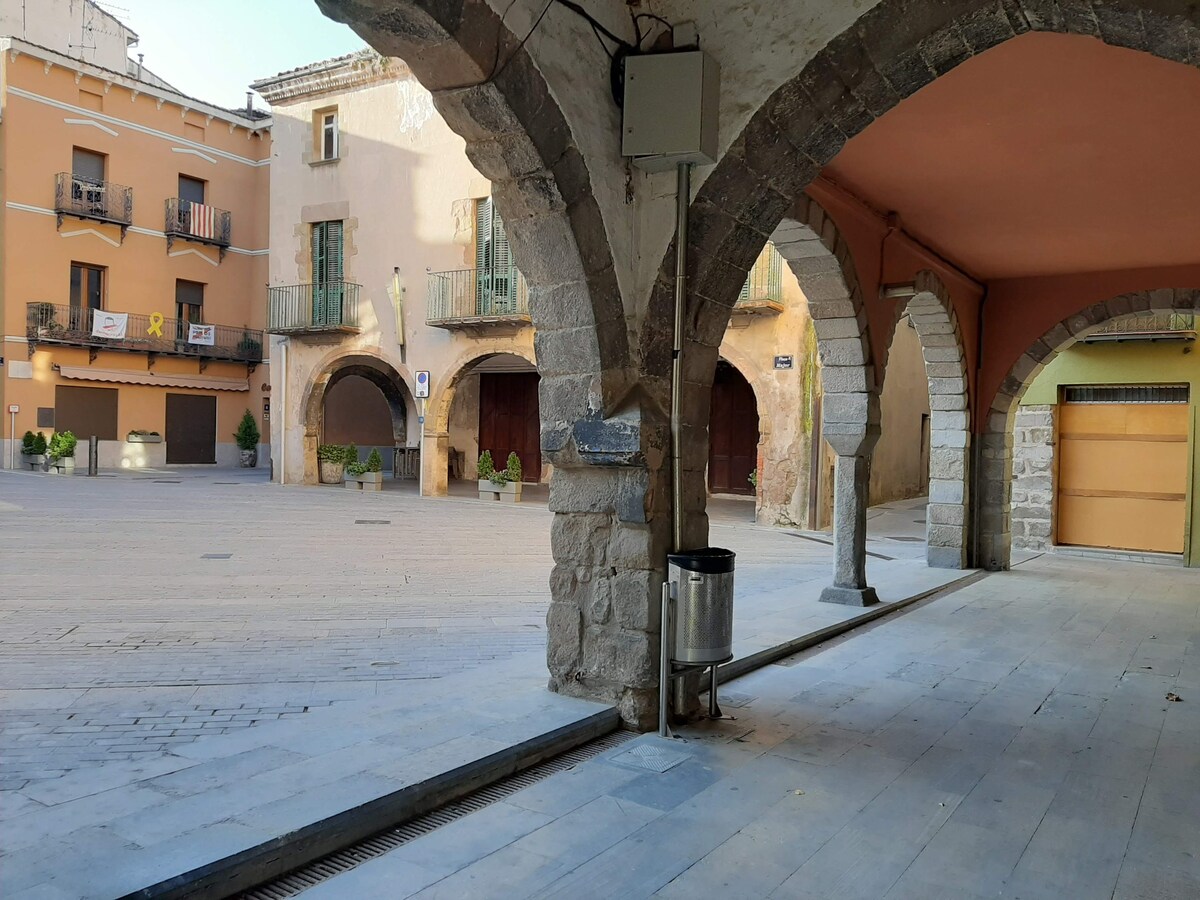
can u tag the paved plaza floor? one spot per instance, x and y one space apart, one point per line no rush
1012 738
142 611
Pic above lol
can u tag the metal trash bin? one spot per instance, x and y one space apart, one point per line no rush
703 590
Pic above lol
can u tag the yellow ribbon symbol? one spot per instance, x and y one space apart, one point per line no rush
156 323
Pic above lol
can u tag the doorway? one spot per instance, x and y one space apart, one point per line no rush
733 433
509 420
191 429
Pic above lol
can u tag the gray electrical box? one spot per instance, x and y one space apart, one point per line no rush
670 112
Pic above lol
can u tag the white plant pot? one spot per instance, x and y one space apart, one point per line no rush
505 493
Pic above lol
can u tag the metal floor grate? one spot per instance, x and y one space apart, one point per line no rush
305 877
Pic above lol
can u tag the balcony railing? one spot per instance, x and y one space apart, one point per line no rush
85 198
763 290
327 306
1174 326
51 323
196 222
467 298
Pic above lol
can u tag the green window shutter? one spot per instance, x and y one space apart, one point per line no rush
334 251
318 252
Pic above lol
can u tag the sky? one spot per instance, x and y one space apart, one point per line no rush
213 49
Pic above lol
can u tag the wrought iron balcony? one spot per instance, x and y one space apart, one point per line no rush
477 298
197 222
1174 326
76 326
86 198
315 308
762 294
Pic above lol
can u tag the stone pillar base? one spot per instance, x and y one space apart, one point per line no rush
946 558
848 596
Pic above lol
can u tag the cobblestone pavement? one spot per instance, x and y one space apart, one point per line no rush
137 612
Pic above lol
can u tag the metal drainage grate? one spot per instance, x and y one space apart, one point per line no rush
216 555
300 880
166 481
903 537
372 521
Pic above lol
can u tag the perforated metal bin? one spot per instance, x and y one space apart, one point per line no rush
703 588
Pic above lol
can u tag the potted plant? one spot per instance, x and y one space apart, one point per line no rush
139 436
331 463
499 484
367 476
247 437
33 449
62 452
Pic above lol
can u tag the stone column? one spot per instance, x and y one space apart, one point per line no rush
851 491
995 500
435 464
1033 477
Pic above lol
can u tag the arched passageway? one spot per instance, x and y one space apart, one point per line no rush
489 402
947 88
352 396
997 439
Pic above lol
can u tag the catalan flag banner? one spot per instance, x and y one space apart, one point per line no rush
202 220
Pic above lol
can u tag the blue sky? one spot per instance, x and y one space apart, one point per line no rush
213 49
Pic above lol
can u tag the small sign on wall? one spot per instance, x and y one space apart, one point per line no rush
783 362
266 408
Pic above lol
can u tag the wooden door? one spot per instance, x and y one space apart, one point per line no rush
733 433
191 429
1122 475
509 421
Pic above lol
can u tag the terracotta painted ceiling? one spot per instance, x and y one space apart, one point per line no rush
1050 154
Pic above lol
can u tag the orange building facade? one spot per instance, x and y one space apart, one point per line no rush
133 250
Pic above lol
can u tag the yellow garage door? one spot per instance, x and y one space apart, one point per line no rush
1123 468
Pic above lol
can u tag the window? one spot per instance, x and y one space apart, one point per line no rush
327 134
87 181
189 306
87 286
328 284
494 274
191 189
87 165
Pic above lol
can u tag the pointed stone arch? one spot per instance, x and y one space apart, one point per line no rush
948 517
996 440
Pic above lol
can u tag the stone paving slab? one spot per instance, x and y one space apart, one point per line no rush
944 753
260 802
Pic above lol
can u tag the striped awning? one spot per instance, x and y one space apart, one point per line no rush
130 376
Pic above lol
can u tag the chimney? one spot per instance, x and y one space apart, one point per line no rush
141 56
249 103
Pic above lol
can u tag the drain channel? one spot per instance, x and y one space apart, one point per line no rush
305 877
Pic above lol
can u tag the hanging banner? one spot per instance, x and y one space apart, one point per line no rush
109 325
202 334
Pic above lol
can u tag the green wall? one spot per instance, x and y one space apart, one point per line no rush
1131 362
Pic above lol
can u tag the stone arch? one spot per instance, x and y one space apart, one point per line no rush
517 137
812 246
996 440
366 364
948 516
435 482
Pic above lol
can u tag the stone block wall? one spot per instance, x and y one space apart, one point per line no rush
1033 477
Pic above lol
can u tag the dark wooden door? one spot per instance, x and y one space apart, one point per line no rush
733 434
191 429
509 420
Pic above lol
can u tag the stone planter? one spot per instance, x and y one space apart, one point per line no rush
330 472
35 461
143 438
64 465
505 493
248 458
367 481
